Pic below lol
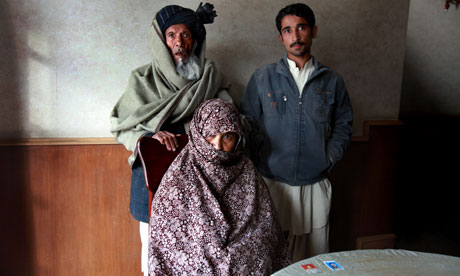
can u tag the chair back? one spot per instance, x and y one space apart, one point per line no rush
156 159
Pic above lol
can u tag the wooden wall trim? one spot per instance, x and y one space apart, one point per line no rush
371 123
57 141
111 141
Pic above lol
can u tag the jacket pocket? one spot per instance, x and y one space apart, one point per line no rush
274 104
323 104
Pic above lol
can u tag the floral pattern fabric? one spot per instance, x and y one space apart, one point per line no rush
212 213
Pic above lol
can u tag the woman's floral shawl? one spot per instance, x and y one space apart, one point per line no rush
212 213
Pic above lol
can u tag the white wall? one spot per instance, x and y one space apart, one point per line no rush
431 85
65 63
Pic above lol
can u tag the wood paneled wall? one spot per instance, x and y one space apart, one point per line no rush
363 185
64 211
64 203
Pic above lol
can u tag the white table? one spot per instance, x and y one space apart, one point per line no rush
379 262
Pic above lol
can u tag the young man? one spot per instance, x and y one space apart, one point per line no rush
162 95
301 123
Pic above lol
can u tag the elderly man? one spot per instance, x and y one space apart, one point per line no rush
162 95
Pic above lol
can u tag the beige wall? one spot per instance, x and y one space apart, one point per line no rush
67 62
431 85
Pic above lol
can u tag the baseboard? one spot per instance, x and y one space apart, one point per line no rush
376 242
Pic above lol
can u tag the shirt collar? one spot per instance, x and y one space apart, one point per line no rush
293 66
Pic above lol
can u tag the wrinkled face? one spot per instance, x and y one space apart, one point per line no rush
296 35
180 42
223 141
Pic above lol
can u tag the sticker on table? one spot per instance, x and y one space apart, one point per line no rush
310 268
333 265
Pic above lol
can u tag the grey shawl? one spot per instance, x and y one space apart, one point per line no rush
155 92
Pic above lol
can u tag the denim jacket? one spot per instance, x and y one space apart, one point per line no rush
297 138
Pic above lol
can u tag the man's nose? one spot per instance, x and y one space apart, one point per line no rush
179 41
297 35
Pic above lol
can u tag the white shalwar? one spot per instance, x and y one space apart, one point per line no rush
144 232
304 212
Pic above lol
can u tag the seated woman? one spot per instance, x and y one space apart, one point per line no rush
212 213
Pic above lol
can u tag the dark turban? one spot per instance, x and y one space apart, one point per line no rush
173 14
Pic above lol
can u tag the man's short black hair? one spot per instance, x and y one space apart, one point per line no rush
300 10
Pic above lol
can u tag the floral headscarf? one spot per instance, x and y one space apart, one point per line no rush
211 118
212 213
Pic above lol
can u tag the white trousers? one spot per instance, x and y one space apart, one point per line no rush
144 232
304 213
308 245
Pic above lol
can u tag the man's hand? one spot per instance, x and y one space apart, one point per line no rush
168 139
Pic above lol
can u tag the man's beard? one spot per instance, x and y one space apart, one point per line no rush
190 69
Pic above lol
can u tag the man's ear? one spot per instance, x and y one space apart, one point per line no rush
281 38
315 31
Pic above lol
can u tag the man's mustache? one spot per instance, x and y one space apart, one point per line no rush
180 50
296 43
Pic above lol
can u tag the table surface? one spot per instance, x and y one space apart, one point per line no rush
379 262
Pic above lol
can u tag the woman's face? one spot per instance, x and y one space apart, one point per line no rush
223 141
